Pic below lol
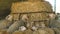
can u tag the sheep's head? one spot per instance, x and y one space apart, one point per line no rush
52 16
9 17
25 17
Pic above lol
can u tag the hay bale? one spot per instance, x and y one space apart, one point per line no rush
31 6
20 7
48 6
38 16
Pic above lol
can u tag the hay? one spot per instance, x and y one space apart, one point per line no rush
20 7
33 16
31 6
48 6
38 16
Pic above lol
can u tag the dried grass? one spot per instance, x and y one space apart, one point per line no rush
20 7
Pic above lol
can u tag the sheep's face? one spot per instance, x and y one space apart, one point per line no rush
9 17
25 17
52 16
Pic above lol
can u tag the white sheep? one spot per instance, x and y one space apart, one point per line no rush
5 23
15 26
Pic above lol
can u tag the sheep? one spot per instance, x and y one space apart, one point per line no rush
15 26
5 23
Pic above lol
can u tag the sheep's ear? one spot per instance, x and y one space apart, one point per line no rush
24 17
